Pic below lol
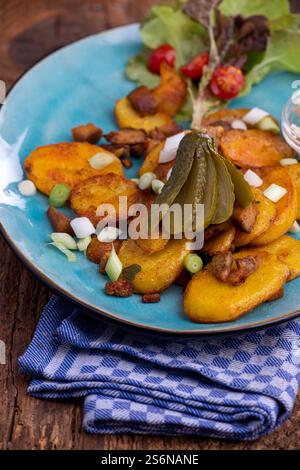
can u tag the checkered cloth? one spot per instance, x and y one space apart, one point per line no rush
238 387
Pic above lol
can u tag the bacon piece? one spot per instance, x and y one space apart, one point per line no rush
143 101
87 133
120 288
151 298
59 221
245 218
221 265
120 151
245 267
127 137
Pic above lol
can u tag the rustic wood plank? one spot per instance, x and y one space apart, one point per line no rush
28 31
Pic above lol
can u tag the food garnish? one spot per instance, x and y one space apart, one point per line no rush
275 192
113 266
82 227
59 195
193 263
27 188
222 49
164 53
83 243
64 239
68 253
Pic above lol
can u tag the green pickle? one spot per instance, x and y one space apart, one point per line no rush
202 176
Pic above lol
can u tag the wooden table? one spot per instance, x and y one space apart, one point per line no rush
28 31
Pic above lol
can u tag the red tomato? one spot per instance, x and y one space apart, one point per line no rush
226 82
194 69
163 53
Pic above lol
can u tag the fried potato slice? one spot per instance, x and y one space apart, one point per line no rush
158 270
294 172
227 115
151 160
287 249
221 243
265 218
151 245
171 91
87 196
127 117
286 207
208 300
254 148
66 163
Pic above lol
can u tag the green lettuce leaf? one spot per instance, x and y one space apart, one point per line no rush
282 54
137 71
270 8
172 26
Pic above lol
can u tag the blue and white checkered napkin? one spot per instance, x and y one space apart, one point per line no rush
239 387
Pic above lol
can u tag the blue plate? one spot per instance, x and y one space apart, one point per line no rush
76 84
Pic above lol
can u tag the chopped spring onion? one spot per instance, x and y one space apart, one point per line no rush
27 188
168 153
84 243
295 228
101 160
59 195
108 234
268 124
146 179
254 116
64 239
113 266
157 186
68 253
253 179
239 124
288 161
275 192
82 227
193 263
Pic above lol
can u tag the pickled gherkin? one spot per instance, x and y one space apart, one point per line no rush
202 176
225 196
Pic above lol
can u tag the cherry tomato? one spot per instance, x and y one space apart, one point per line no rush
226 82
194 69
163 53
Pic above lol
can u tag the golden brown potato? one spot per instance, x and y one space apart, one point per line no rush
287 249
171 92
254 148
66 163
127 117
294 172
227 115
286 207
151 245
159 270
207 300
151 160
221 243
265 218
103 189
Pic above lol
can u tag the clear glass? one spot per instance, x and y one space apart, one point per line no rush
290 124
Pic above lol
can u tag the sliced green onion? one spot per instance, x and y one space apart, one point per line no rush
68 253
59 195
64 239
84 243
113 266
193 263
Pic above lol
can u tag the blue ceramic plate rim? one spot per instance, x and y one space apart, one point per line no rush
39 273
